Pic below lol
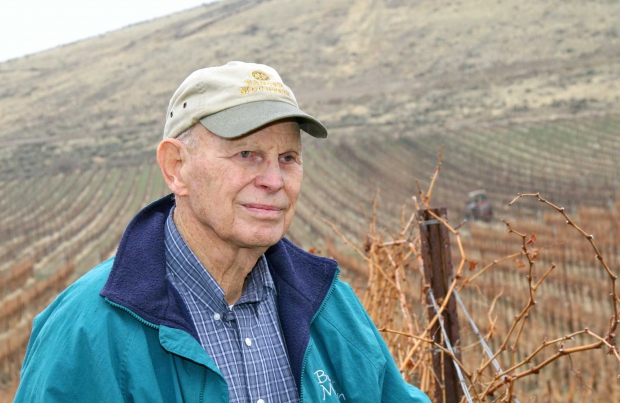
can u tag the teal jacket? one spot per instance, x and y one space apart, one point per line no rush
122 333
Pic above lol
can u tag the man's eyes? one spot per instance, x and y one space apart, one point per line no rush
287 158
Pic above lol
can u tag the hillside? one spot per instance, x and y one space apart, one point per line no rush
371 70
387 66
523 95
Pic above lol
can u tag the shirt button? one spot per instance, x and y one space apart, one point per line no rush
260 401
248 343
216 316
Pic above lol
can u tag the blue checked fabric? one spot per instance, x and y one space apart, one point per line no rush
245 341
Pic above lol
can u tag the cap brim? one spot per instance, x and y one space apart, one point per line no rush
242 119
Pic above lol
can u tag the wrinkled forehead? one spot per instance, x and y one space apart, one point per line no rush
281 134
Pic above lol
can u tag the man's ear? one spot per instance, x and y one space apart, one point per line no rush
171 155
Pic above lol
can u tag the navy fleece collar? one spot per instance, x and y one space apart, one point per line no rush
138 281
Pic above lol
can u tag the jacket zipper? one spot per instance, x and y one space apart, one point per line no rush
204 385
303 365
135 316
156 327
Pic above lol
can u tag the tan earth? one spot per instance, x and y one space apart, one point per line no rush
413 67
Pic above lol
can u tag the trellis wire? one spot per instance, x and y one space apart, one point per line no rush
485 346
449 346
477 332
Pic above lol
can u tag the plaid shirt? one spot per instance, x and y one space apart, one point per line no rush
244 340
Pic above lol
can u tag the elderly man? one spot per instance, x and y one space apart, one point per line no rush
206 301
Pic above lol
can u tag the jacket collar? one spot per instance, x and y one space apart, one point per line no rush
302 282
138 281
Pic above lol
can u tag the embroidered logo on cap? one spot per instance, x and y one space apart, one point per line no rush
259 75
262 82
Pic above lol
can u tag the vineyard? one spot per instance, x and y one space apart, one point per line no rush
522 96
571 161
56 226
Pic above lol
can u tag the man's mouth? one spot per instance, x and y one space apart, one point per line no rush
265 210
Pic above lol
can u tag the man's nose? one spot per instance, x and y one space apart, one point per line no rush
271 176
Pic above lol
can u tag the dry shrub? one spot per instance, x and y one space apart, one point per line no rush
394 298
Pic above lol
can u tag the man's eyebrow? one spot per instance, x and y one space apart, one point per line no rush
237 144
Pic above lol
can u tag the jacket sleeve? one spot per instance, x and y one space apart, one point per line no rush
71 356
395 389
63 368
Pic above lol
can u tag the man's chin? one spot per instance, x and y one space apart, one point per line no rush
263 240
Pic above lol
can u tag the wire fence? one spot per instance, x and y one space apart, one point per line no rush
449 347
483 342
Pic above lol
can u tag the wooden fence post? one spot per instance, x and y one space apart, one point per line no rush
437 257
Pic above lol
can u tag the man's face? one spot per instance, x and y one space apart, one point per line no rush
244 190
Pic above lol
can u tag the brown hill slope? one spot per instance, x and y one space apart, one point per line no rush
402 66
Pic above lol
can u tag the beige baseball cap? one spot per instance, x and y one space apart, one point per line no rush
233 100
